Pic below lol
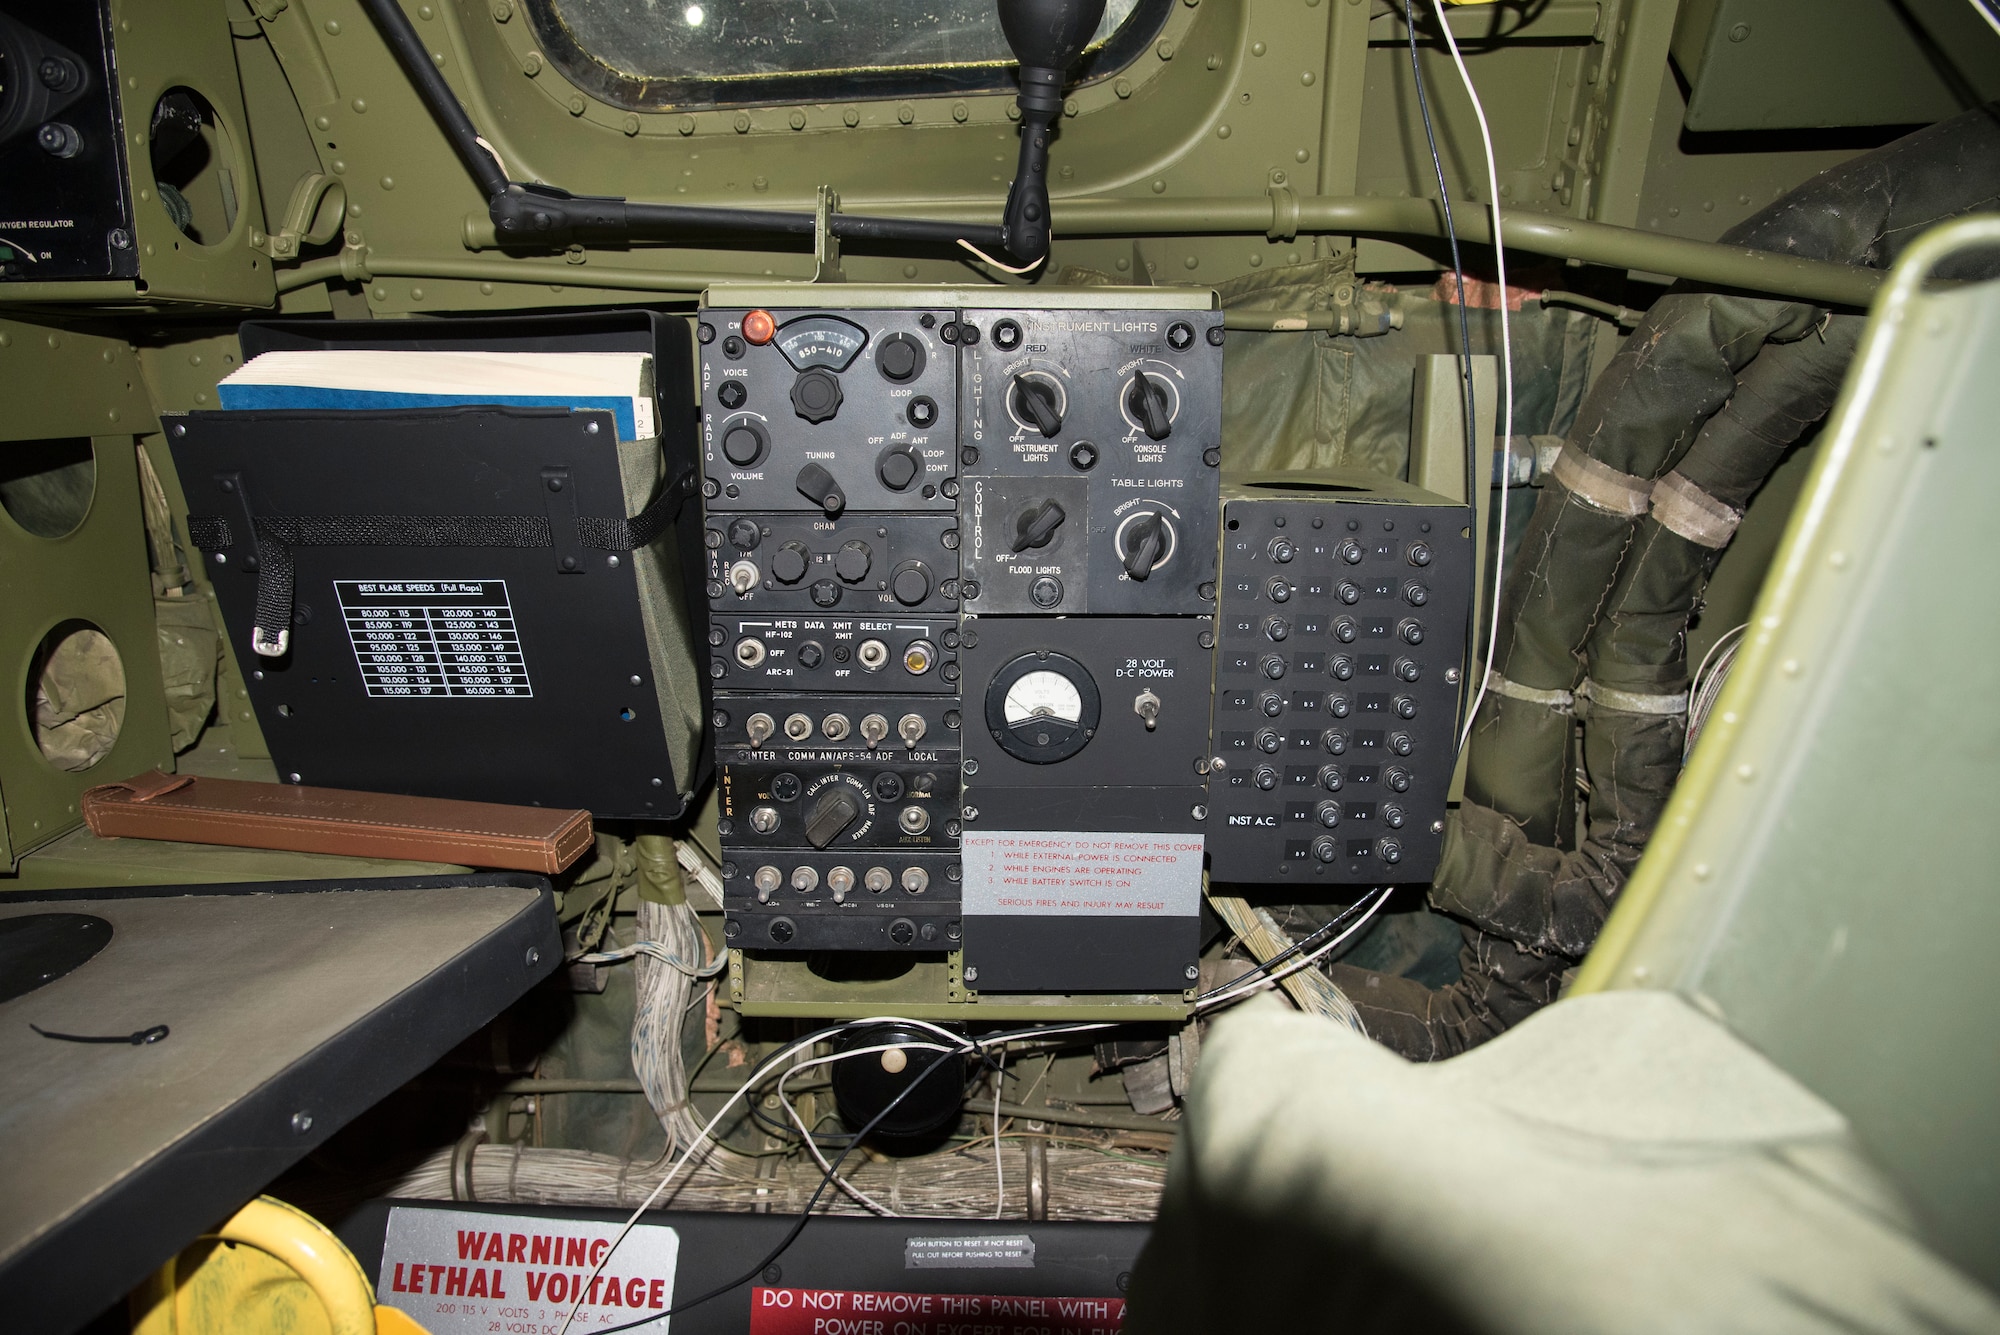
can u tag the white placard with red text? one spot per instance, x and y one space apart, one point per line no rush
462 1273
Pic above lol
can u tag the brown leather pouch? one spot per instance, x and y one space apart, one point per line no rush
334 820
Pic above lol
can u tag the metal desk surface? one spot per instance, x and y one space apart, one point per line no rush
292 1007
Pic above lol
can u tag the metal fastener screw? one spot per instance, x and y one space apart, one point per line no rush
302 1121
970 813
533 957
1194 973
1437 827
972 973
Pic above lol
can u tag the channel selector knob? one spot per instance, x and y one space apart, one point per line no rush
853 561
835 810
1038 402
790 562
1150 404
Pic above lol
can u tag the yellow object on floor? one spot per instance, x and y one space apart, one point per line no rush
271 1270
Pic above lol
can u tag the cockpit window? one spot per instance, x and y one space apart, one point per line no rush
675 53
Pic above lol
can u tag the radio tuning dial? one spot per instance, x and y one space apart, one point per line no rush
816 395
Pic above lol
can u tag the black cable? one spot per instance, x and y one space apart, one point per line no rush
805 1216
1472 481
1306 942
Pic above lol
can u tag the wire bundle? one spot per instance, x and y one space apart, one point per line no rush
1709 679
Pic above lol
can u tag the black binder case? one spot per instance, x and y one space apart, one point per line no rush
485 602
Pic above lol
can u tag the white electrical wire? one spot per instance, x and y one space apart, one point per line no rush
1705 687
812 1147
1986 12
999 1173
660 952
1506 424
1303 962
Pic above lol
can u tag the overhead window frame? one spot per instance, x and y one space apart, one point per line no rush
590 72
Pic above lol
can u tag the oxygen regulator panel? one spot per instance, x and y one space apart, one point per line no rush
962 579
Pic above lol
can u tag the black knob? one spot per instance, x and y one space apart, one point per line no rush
1346 629
1393 817
1350 552
1278 591
1416 595
59 75
732 395
744 443
902 931
852 561
1273 666
1400 743
1277 628
1398 780
1271 703
910 583
811 655
1335 742
816 394
1330 778
1036 402
1145 544
59 139
1151 408
785 787
1407 669
833 812
817 485
1342 667
1325 849
1265 778
1391 852
888 785
1268 741
1404 706
1281 550
899 358
1411 631
1327 814
1037 525
1419 554
745 534
789 563
783 930
825 593
898 466
1338 705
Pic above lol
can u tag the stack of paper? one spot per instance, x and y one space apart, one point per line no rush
353 379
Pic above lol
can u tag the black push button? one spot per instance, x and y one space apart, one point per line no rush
732 395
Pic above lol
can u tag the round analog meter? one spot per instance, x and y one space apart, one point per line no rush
1042 707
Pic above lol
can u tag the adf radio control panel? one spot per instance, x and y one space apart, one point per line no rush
962 579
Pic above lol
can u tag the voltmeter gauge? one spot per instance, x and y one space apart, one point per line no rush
821 340
1042 707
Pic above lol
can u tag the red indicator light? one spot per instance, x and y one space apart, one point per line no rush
758 326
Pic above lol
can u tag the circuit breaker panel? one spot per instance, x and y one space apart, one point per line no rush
962 581
1345 608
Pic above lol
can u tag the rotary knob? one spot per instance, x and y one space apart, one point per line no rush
853 561
835 810
910 582
1038 403
1036 526
899 358
1151 407
816 395
790 562
744 443
1145 544
898 467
